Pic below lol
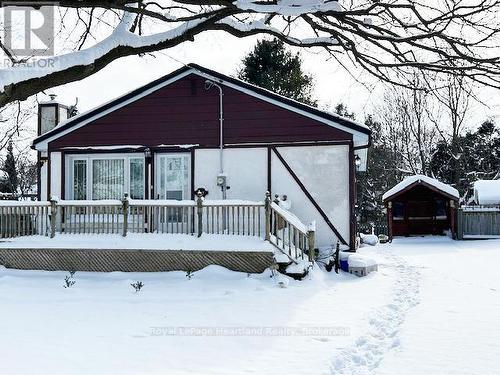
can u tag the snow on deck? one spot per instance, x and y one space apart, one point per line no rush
145 241
431 181
487 192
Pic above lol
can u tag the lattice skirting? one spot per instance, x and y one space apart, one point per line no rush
100 260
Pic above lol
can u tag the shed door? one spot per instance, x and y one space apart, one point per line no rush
420 217
173 176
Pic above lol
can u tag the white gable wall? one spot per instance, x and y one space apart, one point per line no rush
324 171
246 170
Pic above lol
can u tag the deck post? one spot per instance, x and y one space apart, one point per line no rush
460 224
389 220
268 215
53 217
199 209
125 204
311 241
452 220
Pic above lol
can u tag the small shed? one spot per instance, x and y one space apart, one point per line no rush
487 192
420 205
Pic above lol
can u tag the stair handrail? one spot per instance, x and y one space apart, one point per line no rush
287 232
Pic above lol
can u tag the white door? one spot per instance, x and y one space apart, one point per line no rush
173 176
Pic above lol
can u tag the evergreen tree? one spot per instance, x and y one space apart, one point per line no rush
271 66
381 174
478 158
9 168
342 110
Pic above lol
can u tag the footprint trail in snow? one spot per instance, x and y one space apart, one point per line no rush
382 336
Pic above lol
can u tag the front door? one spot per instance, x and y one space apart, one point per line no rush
173 182
173 176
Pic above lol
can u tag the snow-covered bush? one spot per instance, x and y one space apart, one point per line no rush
69 280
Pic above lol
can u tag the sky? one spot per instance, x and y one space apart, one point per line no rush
222 53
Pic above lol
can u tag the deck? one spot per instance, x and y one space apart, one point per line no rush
136 253
151 235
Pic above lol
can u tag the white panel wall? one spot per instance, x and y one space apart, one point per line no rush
324 170
55 174
246 170
43 181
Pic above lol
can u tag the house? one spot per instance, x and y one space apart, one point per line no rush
197 129
420 205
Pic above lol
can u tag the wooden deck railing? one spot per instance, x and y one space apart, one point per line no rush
24 218
288 233
236 217
194 217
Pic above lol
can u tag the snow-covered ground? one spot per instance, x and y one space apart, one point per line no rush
432 307
455 327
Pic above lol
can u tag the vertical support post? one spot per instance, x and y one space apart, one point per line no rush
460 224
53 217
389 220
125 206
311 242
199 207
268 215
452 220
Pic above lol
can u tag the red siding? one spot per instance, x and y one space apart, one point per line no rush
184 113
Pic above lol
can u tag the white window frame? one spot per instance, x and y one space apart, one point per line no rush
157 172
89 158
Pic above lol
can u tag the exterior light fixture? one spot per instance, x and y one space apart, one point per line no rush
147 153
357 161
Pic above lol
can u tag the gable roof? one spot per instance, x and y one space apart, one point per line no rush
361 133
411 181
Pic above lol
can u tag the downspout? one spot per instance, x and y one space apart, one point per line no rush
221 179
208 85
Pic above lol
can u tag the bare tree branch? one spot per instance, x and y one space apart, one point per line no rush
389 39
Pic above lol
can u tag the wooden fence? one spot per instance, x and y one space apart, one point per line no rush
375 228
478 222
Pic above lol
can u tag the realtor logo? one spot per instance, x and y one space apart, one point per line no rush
29 28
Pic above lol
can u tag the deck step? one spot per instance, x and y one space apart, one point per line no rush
281 258
297 270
